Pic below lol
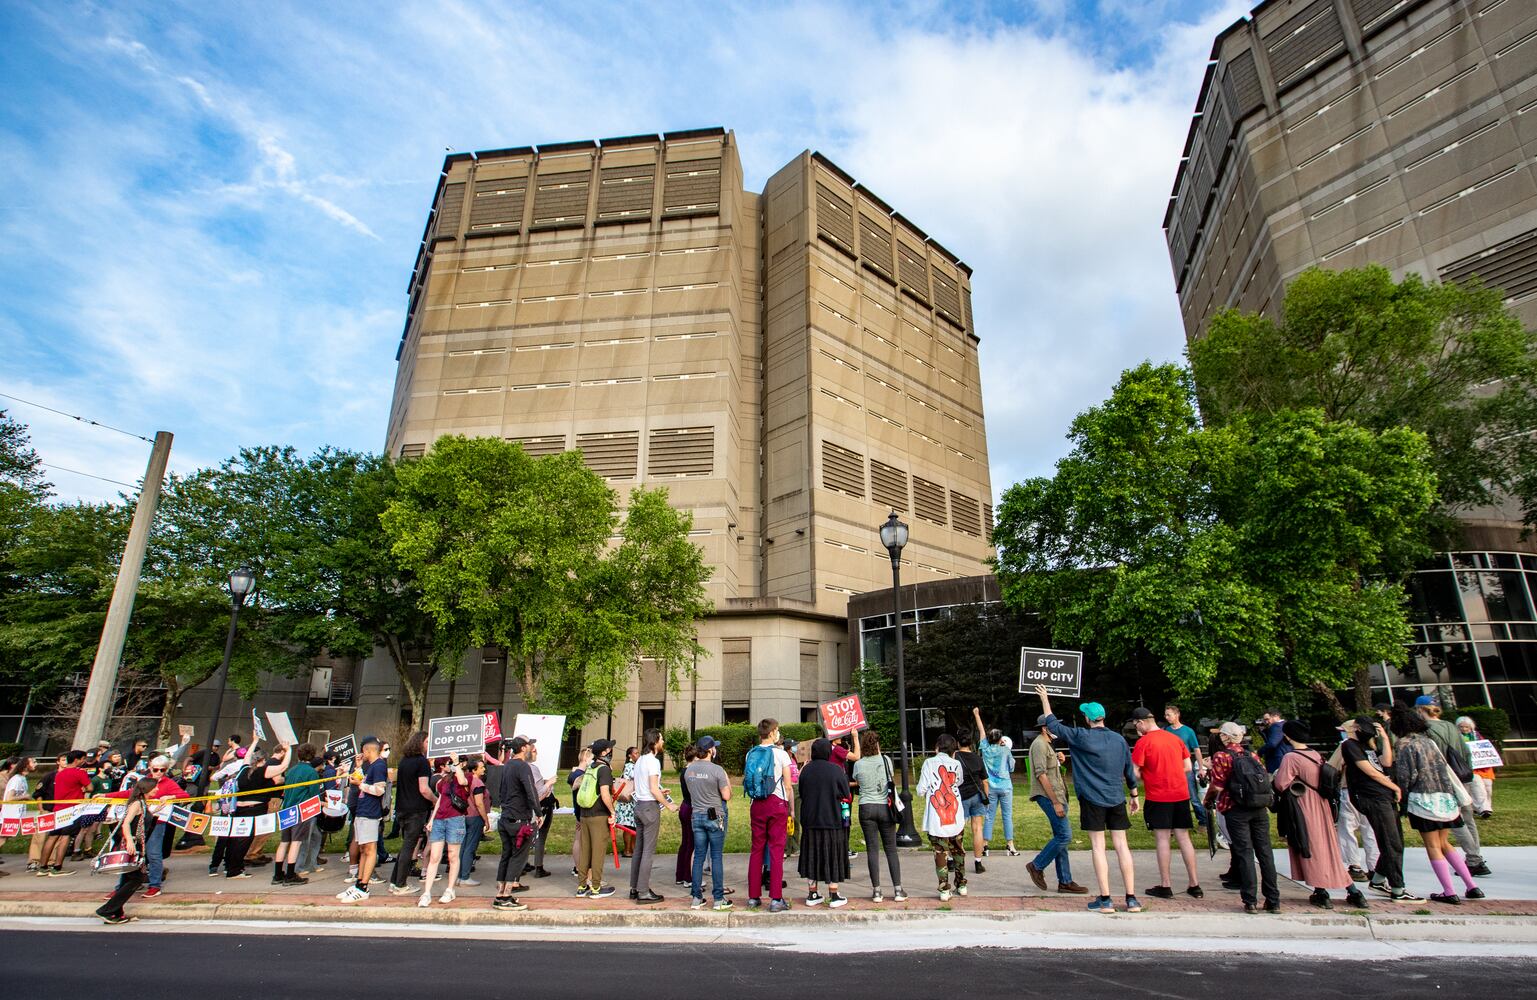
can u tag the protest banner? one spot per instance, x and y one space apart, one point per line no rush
1484 754
842 716
240 826
282 729
265 823
288 818
346 750
197 823
258 734
1060 671
185 732
219 826
459 734
493 727
309 808
547 731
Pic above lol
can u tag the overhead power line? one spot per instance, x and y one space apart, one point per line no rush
88 475
83 420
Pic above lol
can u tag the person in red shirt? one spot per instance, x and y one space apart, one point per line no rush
70 784
1163 761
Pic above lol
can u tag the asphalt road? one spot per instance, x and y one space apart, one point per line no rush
114 962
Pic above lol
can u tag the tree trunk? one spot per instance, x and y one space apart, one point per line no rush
173 690
1363 686
416 687
1340 715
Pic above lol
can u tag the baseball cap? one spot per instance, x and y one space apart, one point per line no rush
1233 730
706 744
601 746
1141 712
1092 710
1424 700
518 743
217 743
1040 723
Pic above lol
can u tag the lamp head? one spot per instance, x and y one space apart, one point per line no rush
241 583
893 535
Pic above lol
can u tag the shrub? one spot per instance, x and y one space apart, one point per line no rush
8 750
674 741
735 740
1492 723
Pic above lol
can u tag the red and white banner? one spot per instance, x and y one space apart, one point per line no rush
493 727
842 716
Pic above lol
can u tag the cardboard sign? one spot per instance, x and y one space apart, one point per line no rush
460 734
198 823
842 716
258 734
185 732
346 750
1059 670
282 729
547 730
493 727
1484 754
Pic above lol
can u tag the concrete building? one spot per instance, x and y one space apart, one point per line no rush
791 365
1398 132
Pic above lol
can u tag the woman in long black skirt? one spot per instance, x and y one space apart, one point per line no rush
824 792
130 837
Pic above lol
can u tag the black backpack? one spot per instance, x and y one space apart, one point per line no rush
1248 783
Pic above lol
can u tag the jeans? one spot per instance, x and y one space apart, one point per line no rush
1466 835
411 826
1249 830
709 839
309 851
1195 798
768 833
1001 799
686 846
1382 815
547 810
474 832
880 835
1055 850
155 852
648 820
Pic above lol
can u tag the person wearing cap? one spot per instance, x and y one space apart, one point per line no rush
1319 865
708 790
1163 761
371 778
1105 778
597 825
1248 827
1455 749
1360 856
519 823
1271 726
1048 790
1366 760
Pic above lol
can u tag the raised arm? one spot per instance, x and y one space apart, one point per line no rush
976 715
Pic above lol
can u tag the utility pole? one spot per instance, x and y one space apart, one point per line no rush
97 707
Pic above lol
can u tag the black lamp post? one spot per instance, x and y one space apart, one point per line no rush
894 537
241 583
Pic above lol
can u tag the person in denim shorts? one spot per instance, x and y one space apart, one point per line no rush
446 827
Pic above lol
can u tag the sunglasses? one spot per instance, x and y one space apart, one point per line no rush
157 770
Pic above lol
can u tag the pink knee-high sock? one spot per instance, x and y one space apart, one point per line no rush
1444 873
1460 865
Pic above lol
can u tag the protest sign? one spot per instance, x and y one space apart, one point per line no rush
265 823
493 727
842 716
346 750
185 732
309 808
547 730
282 729
460 734
288 818
1060 671
258 734
1484 754
219 826
197 823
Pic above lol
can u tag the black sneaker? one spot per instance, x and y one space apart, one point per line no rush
1250 908
977 867
1320 898
296 880
1272 907
634 893
541 873
1479 870
836 899
1161 892
1356 899
1195 892
813 898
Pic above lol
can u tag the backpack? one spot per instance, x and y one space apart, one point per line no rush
759 779
587 789
1248 784
229 788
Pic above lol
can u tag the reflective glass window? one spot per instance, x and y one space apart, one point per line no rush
1433 598
1505 596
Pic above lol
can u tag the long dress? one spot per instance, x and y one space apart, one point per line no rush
624 811
1325 869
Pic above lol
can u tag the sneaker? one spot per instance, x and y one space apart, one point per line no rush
1447 898
944 895
121 918
1405 896
721 906
352 871
215 873
1378 883
1195 892
1036 875
1479 870
1073 887
575 873
57 872
696 903
634 893
899 895
977 867
986 850
1101 904
1133 905
1250 908
778 906
424 902
152 892
1161 892
352 894
1013 853
836 900
541 873
1358 874
241 875
682 882
471 882
960 890
400 890
296 880
582 891
876 897
1272 907
755 904
448 896
1474 893
509 903
1320 898
1356 898
602 892
813 898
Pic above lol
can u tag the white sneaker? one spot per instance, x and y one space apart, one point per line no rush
876 897
400 890
447 897
352 894
944 895
425 901
352 871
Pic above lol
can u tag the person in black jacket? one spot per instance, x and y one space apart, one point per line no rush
518 827
824 794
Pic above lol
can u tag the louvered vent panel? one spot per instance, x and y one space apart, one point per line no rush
1374 14
843 470
1510 266
875 245
613 456
1303 41
888 486
681 451
538 445
1241 79
451 210
835 218
987 521
409 451
971 326
965 513
625 192
692 186
561 199
929 501
913 271
498 204
947 296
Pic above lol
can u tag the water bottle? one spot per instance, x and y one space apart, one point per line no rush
843 808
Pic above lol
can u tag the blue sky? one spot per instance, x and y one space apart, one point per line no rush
210 210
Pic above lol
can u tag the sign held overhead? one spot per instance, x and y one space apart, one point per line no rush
460 734
1060 671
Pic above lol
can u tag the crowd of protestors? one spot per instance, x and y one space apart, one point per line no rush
1340 805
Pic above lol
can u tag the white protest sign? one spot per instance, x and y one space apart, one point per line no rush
282 729
1483 754
258 734
547 730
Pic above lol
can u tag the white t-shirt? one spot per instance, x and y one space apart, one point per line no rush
16 787
940 782
646 765
782 763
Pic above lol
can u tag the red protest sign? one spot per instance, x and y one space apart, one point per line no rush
843 716
493 728
309 808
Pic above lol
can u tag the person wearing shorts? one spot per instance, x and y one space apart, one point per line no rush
372 780
1162 759
1101 767
446 830
301 780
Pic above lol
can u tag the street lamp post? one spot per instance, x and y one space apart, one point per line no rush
241 583
894 537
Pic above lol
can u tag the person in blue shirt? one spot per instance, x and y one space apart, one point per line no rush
1104 778
1275 747
998 758
1192 743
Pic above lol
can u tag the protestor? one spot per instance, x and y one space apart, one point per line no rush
595 798
302 775
140 752
1454 749
446 829
70 783
1314 848
998 758
1163 761
476 820
329 790
573 780
1104 778
1048 790
1434 800
650 799
624 809
15 774
708 789
157 841
766 781
944 815
414 803
1187 736
260 775
684 860
1241 791
1272 730
1482 785
824 856
518 825
371 780
547 806
129 836
1365 756
974 794
1360 855
878 814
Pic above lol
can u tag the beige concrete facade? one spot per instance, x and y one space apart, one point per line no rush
791 366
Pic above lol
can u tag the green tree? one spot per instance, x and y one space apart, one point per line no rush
1244 558
515 552
970 658
1448 360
